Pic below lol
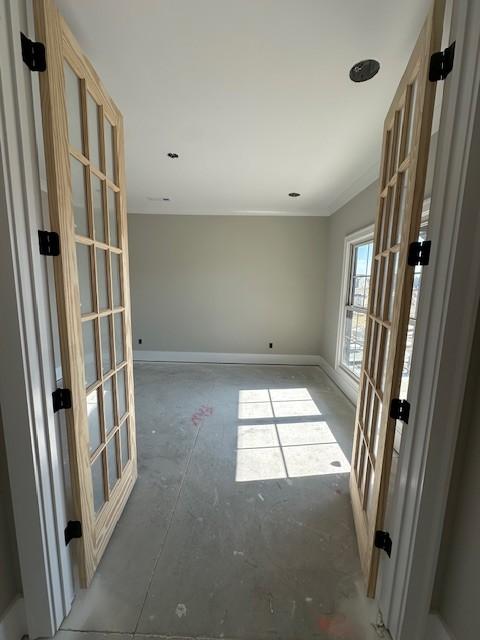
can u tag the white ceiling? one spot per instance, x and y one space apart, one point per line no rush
253 95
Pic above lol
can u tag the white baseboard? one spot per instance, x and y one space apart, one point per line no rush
224 358
436 629
349 388
13 623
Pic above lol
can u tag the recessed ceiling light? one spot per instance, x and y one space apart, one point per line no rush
172 155
294 194
364 70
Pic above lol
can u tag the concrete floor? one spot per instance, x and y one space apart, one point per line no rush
240 524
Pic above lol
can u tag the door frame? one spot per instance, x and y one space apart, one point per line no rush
444 336
29 378
27 372
346 381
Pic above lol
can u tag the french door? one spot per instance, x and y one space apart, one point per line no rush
406 141
83 141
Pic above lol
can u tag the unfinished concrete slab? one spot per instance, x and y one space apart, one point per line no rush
240 525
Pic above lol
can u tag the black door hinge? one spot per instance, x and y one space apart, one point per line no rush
419 253
400 410
49 243
33 54
383 541
441 63
62 399
73 530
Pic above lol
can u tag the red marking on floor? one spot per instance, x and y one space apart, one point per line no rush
336 626
201 413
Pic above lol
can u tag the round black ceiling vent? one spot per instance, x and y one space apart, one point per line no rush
364 70
294 194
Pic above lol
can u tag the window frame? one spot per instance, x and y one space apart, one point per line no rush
350 242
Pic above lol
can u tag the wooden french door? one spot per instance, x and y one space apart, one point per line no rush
406 141
83 140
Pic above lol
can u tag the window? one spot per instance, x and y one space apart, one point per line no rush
358 260
359 256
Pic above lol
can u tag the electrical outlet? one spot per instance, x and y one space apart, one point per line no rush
139 341
270 345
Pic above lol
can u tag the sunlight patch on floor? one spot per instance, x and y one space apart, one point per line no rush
271 447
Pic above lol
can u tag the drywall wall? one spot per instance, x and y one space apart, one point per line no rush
227 284
356 214
456 593
10 586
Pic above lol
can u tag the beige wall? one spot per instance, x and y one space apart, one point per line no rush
227 284
231 284
355 215
9 571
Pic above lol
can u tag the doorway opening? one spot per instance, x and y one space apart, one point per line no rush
275 431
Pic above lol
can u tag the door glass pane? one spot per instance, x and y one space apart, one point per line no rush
112 217
112 462
376 428
109 150
395 144
393 285
92 116
102 286
124 443
116 284
386 154
379 290
402 204
79 199
410 123
119 345
84 278
391 153
370 495
391 200
89 352
94 428
400 126
108 405
373 405
385 356
98 216
98 484
106 349
121 395
72 96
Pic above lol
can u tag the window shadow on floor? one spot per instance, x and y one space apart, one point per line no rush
282 433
